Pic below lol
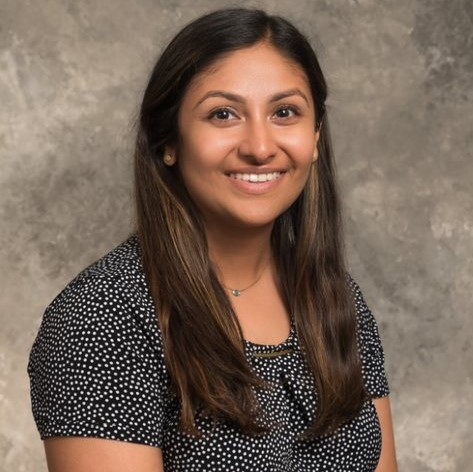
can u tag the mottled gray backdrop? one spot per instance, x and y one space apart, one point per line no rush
401 76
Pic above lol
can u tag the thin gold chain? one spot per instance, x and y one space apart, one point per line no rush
236 292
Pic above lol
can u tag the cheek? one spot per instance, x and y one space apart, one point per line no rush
205 149
299 144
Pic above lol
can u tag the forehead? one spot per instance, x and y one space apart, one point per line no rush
259 70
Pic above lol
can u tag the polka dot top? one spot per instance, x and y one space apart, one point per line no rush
97 370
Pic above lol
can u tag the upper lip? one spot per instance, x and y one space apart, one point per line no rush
257 170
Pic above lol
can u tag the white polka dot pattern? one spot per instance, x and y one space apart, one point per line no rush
97 370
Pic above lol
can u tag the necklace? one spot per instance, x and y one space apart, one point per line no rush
236 292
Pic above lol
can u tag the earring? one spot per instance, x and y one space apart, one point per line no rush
169 160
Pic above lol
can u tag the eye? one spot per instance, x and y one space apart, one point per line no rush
286 111
222 114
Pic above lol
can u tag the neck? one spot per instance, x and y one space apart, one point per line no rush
240 256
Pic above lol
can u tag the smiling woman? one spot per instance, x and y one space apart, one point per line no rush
225 334
245 152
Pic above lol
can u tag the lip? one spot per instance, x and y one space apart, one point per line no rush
255 188
256 170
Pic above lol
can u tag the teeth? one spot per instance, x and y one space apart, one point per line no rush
256 177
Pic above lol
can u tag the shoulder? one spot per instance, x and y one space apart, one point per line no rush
111 287
366 322
356 293
106 308
120 268
369 344
97 365
106 302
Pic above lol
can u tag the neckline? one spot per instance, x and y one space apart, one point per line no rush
288 343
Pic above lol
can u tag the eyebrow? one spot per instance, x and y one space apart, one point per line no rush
233 97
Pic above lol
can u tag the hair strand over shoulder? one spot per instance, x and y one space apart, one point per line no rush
202 338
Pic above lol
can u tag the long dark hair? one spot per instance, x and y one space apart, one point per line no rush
202 337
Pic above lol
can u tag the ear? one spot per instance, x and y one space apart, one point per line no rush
169 156
315 155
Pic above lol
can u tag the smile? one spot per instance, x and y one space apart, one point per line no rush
256 177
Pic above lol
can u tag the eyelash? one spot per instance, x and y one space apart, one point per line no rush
213 113
291 108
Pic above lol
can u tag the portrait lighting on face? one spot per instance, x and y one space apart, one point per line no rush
247 141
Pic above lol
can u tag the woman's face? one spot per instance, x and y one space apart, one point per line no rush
247 138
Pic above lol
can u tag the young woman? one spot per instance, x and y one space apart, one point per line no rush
225 334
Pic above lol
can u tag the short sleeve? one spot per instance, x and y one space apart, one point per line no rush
94 369
370 347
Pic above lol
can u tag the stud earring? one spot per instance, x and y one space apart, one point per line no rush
169 160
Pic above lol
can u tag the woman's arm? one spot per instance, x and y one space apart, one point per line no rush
101 455
387 461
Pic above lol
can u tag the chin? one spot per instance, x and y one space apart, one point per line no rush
256 221
244 217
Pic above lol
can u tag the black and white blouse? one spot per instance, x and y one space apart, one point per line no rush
97 370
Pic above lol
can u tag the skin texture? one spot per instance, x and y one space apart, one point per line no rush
101 455
259 121
387 461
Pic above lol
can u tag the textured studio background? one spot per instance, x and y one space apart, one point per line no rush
401 75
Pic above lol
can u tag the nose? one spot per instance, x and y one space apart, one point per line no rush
258 142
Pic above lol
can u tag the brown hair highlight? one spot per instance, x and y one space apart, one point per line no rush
204 346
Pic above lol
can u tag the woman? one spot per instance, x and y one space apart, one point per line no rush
225 334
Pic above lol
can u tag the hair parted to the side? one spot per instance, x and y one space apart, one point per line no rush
202 337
